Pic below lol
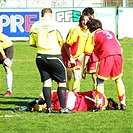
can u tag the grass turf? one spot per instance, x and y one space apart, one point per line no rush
27 86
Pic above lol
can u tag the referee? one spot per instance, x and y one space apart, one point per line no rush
47 39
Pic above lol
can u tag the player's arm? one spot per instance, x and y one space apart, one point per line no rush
7 61
2 51
3 54
86 59
70 40
32 37
68 52
32 41
59 38
88 51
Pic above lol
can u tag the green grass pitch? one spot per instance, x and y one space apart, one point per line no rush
27 86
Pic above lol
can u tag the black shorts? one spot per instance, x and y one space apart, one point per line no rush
51 67
8 52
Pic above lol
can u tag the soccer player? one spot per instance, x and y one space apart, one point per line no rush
93 61
6 56
72 52
109 53
47 39
75 101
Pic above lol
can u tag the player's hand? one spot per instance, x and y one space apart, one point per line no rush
7 62
72 61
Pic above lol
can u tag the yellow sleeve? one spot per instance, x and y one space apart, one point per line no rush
5 41
59 38
1 37
32 41
72 36
1 47
89 47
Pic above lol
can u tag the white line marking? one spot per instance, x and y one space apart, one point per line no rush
34 60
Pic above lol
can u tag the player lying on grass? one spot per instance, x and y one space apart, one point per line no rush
76 101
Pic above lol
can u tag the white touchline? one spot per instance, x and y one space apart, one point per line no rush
34 60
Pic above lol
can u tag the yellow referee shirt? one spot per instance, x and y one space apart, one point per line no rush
46 38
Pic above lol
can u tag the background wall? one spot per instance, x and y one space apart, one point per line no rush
16 16
63 3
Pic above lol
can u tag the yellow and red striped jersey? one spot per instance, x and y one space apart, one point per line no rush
76 40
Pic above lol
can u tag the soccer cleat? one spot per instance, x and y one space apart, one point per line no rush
49 110
8 93
65 111
123 107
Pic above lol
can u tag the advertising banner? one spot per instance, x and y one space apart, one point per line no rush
67 18
16 22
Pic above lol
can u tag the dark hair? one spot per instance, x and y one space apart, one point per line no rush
112 105
45 10
88 11
81 18
94 24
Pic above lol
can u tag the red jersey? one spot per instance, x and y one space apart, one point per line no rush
103 43
80 101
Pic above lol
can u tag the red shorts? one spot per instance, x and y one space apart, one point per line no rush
67 61
70 67
110 66
92 65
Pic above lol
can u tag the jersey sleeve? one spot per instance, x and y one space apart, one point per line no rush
1 47
32 35
5 41
59 38
72 36
1 41
89 47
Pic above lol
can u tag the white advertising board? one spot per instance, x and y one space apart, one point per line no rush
125 23
67 18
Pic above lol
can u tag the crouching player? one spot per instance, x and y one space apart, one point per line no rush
76 101
6 56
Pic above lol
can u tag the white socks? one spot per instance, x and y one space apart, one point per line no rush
9 79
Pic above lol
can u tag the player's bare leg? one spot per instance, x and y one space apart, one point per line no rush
9 80
77 78
121 93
